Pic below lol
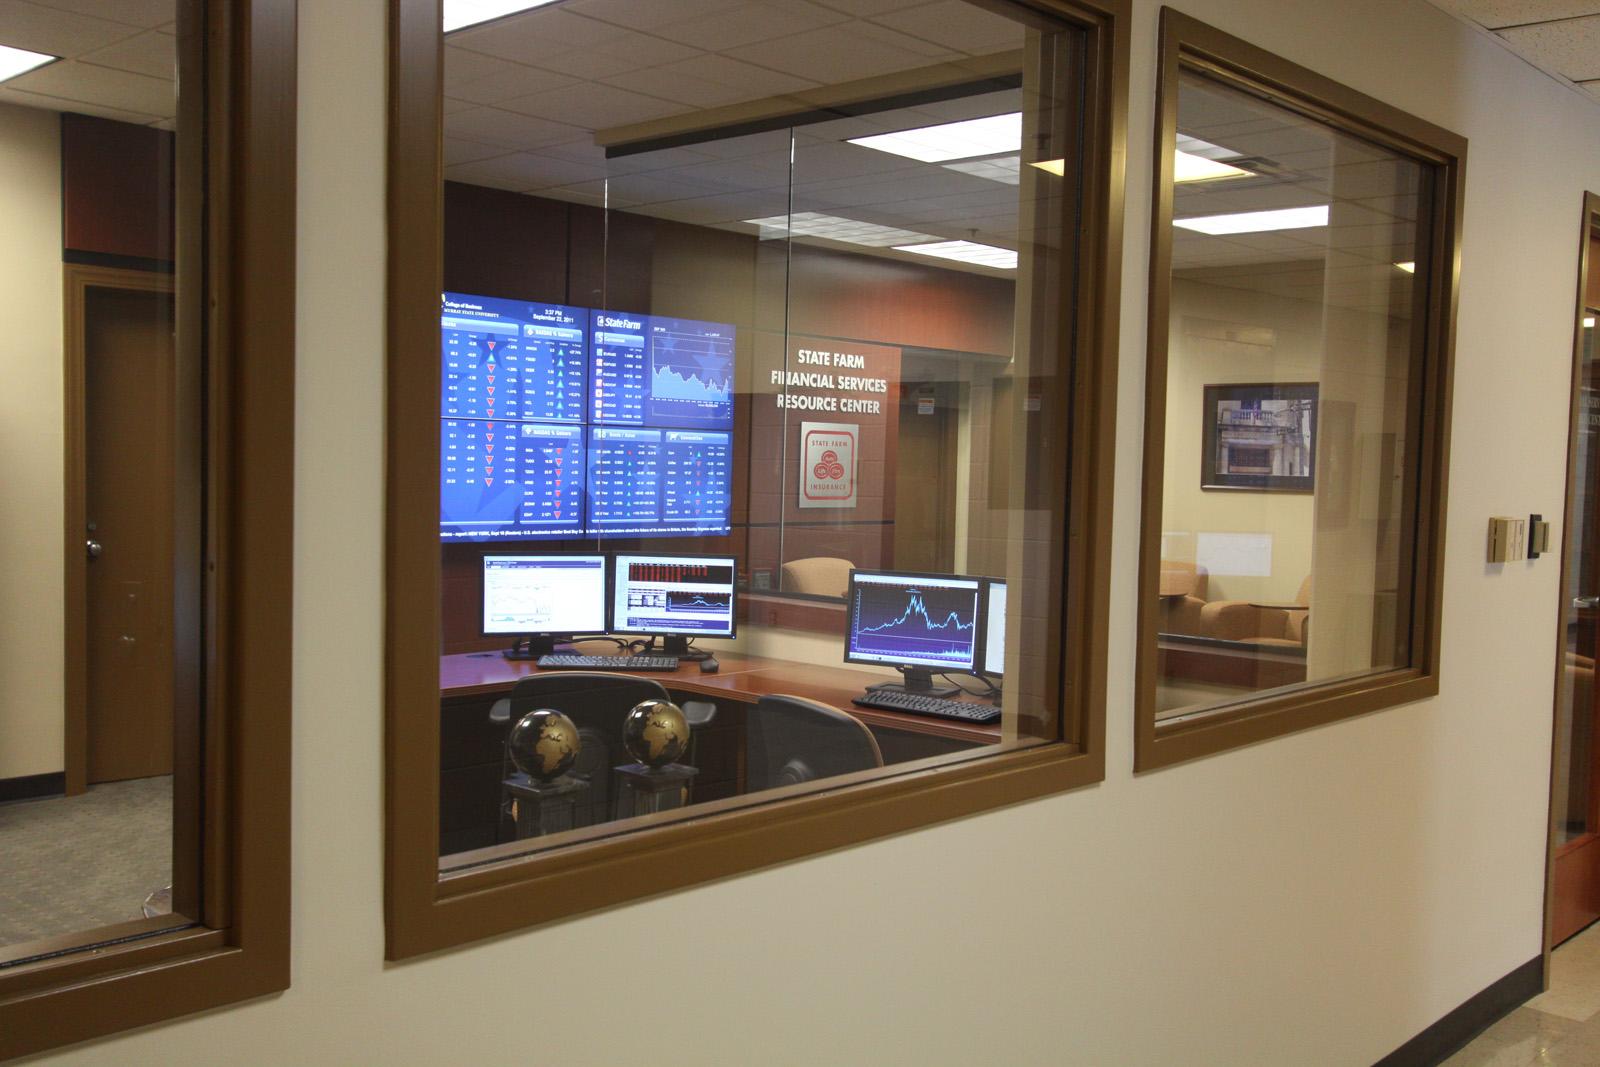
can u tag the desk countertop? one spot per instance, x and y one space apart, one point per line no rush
746 678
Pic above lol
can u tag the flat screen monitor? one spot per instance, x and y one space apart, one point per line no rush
994 627
682 596
544 596
917 621
563 423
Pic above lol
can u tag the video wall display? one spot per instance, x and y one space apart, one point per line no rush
560 422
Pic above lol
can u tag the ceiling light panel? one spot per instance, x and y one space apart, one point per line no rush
966 252
1410 267
1004 169
459 14
15 61
990 136
1293 218
835 228
1191 168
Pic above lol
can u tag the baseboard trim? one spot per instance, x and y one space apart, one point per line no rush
1482 1010
33 785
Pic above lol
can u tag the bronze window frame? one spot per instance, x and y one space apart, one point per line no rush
1189 45
424 912
238 261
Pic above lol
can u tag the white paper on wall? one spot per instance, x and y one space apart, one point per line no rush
1241 555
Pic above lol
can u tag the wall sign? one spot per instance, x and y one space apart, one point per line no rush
828 464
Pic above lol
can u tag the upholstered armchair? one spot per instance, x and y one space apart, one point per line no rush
1183 598
1240 620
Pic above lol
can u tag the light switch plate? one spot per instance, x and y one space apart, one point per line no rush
1508 539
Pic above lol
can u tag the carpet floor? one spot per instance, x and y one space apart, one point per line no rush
75 863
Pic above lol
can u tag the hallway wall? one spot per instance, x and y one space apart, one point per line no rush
1316 899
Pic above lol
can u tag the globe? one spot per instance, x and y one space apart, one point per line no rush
655 733
544 744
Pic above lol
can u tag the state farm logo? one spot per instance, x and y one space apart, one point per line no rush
828 468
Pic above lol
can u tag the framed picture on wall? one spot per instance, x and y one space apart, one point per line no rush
1261 437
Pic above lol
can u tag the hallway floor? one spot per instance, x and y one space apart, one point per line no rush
1559 1026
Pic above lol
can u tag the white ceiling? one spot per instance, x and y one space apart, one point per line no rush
118 57
1562 37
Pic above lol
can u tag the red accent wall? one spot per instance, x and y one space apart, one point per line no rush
117 188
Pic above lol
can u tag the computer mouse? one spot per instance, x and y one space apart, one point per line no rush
709 665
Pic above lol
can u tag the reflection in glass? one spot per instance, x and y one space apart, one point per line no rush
740 314
1289 414
89 809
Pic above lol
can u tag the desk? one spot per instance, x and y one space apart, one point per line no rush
470 747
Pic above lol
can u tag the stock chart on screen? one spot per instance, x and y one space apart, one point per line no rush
913 620
561 422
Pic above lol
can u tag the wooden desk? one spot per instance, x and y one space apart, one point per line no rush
470 749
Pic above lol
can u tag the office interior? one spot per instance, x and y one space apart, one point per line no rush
1402 853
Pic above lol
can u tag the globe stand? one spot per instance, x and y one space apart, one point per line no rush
540 808
643 790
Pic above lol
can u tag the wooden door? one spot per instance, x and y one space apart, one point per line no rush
925 483
127 535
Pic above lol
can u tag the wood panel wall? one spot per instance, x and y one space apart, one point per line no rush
117 190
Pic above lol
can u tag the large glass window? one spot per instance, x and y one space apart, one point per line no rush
752 388
1296 400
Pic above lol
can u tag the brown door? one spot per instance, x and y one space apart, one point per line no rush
128 532
925 485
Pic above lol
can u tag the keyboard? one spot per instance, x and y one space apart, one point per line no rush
936 707
565 661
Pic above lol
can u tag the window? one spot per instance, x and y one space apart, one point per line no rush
144 755
1301 312
763 339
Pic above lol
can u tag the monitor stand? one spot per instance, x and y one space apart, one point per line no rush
530 647
917 680
676 645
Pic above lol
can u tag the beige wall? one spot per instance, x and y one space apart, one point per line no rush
1314 900
31 505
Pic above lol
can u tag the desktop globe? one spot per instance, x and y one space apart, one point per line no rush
656 733
544 744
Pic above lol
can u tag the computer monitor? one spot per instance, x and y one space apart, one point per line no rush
673 597
543 598
994 627
920 623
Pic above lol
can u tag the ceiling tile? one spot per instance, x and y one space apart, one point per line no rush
649 15
1497 13
457 151
508 83
867 8
153 54
53 103
594 107
57 33
523 170
958 25
1571 49
75 80
749 24
146 14
548 31
493 126
836 54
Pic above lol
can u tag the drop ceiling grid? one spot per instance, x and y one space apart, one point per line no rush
117 57
1560 37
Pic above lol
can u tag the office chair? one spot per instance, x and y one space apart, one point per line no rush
792 739
816 575
597 703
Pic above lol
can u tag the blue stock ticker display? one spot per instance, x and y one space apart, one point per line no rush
913 620
561 422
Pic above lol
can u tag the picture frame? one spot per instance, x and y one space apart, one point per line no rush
1260 436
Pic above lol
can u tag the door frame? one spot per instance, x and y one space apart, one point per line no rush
79 279
1591 222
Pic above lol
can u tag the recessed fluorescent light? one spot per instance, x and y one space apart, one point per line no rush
988 136
850 231
966 252
1289 218
1192 168
1588 322
15 61
1004 169
1058 167
459 14
1409 267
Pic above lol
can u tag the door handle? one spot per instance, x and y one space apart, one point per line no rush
1586 603
92 547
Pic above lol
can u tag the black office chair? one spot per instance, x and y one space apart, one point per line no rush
597 703
791 739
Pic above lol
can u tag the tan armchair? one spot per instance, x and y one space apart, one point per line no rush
1183 598
1240 620
818 575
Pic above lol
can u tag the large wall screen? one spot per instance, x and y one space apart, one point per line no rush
560 422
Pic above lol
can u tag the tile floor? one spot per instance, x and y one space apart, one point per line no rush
1560 1026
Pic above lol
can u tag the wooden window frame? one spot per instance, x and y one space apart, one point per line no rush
238 261
425 912
1189 45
